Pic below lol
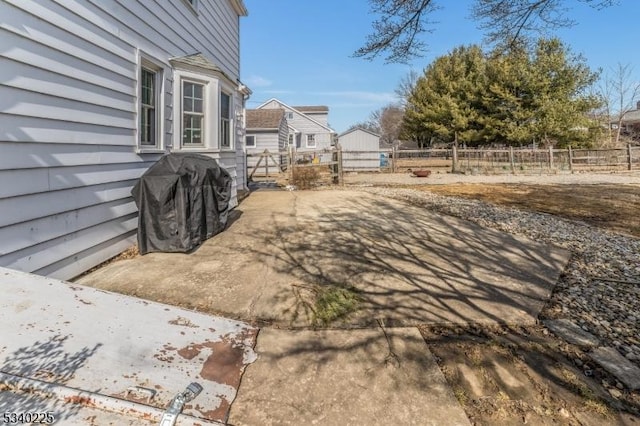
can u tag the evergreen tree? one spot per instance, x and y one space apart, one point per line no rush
518 97
445 101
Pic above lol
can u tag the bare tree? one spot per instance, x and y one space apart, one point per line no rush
602 114
389 122
397 32
366 125
406 87
619 90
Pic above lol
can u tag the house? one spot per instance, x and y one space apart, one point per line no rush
267 129
631 123
94 93
308 125
360 150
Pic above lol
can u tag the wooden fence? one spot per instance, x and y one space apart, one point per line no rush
297 167
330 164
514 160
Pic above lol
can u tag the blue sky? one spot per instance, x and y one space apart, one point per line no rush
299 51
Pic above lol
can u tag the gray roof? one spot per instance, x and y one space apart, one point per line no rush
264 118
196 60
361 129
632 116
312 108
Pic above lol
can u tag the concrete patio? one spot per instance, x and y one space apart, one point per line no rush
404 265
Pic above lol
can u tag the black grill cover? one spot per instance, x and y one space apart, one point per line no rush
182 200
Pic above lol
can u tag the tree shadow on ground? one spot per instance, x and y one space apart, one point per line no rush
406 266
44 361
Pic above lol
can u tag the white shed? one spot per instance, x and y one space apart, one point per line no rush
360 150
92 94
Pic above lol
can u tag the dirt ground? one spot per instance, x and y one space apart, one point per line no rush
607 206
505 376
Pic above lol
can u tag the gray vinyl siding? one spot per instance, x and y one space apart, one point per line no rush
283 134
368 159
68 120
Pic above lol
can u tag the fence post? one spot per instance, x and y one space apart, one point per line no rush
394 153
629 158
454 157
265 154
551 158
512 161
570 159
292 162
339 168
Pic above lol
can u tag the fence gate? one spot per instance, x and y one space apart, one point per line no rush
305 169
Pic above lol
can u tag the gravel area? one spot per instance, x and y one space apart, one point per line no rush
600 287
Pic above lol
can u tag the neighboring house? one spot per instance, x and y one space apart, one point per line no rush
92 93
631 122
267 129
308 125
360 150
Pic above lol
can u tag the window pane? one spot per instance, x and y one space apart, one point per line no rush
152 127
187 104
143 128
196 123
192 129
197 91
187 89
148 86
225 140
225 110
192 110
186 136
148 108
197 105
148 127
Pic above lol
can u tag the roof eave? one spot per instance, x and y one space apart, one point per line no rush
239 7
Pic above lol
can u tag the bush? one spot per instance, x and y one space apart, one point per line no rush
305 177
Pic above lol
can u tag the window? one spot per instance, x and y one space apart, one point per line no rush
192 113
311 141
148 132
225 120
289 116
290 139
250 141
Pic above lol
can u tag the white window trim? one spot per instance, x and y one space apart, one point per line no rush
146 61
246 138
211 115
315 143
